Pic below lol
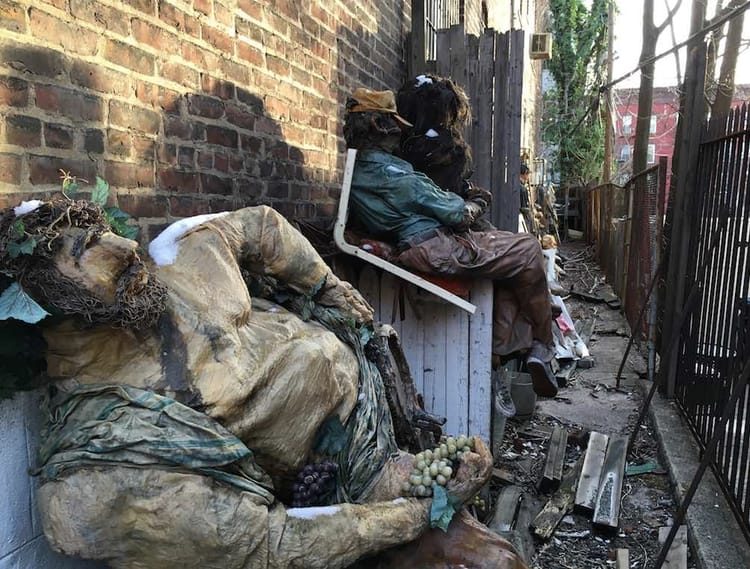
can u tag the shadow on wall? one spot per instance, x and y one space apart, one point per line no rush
165 154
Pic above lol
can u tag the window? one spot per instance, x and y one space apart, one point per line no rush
627 124
651 153
652 125
625 153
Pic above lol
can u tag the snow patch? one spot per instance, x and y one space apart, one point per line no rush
423 79
431 133
394 169
163 250
27 207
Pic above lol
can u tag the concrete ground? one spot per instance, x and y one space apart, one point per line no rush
594 402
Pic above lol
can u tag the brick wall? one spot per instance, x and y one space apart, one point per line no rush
193 106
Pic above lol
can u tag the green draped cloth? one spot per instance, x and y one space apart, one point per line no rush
126 426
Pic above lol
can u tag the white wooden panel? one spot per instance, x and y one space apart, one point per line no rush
434 358
412 340
480 360
457 371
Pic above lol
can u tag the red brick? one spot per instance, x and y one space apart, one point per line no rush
238 116
211 184
129 56
186 157
132 117
13 92
167 154
202 6
42 62
99 78
248 29
10 169
100 15
250 54
237 72
147 205
278 189
74 104
203 106
178 181
93 141
179 128
118 142
221 136
128 175
72 38
143 149
160 39
178 73
224 15
200 57
46 169
221 162
253 144
58 136
218 38
252 8
205 159
183 206
12 16
148 7
217 87
23 131
173 16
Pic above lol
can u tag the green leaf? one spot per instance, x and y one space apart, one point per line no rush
443 507
118 220
19 229
15 303
116 213
101 192
70 186
23 248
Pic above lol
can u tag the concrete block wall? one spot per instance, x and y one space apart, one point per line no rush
189 106
22 544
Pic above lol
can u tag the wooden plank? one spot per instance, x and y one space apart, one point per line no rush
607 506
369 285
443 61
418 43
623 559
435 360
677 556
553 468
458 55
480 360
457 370
412 340
506 509
559 505
482 111
499 147
588 485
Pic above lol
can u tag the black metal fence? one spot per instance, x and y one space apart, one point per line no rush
715 342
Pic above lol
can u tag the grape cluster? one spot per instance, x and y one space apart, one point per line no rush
315 483
435 467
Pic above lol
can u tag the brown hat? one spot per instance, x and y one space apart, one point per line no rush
378 102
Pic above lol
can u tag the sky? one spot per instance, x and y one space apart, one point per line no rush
627 44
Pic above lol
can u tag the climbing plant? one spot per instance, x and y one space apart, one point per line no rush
573 132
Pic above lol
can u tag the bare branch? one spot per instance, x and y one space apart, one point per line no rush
670 15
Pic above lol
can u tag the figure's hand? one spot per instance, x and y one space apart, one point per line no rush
473 472
342 295
471 212
478 195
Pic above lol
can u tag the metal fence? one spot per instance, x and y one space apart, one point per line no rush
625 223
439 15
715 344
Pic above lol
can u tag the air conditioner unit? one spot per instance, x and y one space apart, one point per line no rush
541 46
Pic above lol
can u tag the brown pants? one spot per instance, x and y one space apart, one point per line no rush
513 261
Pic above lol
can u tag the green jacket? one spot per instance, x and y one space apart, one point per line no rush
393 201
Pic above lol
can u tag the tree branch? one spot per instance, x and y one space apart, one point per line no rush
668 18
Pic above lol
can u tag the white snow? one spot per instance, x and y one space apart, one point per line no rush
312 513
394 169
431 133
163 250
26 207
422 79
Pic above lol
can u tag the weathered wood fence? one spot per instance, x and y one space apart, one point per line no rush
489 68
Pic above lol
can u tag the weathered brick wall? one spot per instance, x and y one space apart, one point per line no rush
189 106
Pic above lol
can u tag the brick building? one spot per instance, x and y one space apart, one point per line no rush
663 124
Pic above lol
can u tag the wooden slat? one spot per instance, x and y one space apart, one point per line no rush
412 340
555 460
418 45
499 147
435 360
457 370
443 62
480 360
677 556
607 507
588 485
482 112
559 505
506 509
369 286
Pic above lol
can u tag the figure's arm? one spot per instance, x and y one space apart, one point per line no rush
265 243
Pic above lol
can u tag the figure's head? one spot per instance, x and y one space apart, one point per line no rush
372 120
525 173
71 261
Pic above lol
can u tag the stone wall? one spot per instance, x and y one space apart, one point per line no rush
189 106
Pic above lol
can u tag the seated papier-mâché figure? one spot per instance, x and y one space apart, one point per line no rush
182 407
